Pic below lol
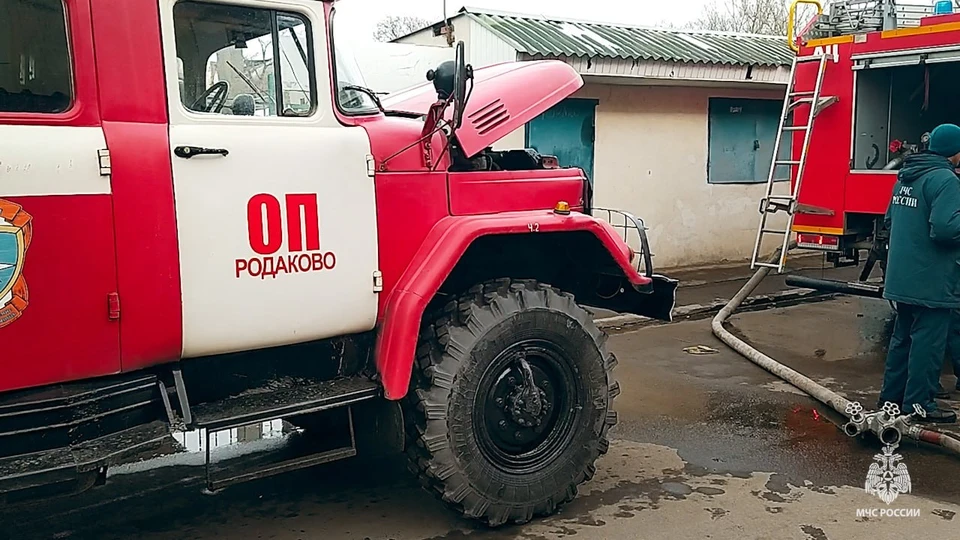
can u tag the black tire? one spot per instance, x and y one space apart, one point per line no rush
471 438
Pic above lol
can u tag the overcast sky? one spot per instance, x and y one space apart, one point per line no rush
362 15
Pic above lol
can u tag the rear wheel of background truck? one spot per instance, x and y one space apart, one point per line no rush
478 436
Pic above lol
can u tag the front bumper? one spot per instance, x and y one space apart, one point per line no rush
656 299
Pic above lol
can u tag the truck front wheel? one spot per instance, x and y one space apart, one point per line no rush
511 401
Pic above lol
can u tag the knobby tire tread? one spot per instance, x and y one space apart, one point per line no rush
429 452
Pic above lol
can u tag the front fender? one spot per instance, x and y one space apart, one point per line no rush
439 253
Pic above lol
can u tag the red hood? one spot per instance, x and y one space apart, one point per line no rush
504 98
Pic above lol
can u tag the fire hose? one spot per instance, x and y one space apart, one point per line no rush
888 424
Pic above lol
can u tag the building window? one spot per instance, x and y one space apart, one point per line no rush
741 135
35 70
244 61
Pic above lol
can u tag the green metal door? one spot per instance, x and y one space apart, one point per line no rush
742 134
567 130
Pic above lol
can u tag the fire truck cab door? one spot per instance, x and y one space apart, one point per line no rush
276 212
58 274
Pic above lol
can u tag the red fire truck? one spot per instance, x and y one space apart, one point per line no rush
869 81
208 221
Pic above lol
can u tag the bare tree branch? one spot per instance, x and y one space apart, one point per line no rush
394 26
667 24
747 16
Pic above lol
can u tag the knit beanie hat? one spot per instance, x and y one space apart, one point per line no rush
945 140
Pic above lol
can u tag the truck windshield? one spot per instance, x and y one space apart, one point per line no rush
350 100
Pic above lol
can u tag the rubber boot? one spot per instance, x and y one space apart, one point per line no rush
938 416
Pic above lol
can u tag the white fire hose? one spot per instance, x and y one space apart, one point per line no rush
888 424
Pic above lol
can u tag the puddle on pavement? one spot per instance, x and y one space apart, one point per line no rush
841 344
188 448
194 441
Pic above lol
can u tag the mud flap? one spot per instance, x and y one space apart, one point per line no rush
379 428
656 300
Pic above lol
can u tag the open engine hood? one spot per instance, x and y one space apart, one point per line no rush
504 98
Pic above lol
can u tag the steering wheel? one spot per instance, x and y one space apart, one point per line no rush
219 92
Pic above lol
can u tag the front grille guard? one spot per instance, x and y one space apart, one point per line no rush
634 234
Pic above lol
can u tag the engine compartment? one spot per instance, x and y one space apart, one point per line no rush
895 106
526 159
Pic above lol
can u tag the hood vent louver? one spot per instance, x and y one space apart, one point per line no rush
489 117
504 97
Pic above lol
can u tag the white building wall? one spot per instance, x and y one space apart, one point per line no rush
423 37
461 32
484 48
651 160
481 48
389 67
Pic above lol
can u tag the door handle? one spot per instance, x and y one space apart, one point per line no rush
187 152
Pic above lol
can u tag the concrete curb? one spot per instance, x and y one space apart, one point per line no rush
694 311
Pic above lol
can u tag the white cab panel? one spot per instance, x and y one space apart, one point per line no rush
51 160
242 207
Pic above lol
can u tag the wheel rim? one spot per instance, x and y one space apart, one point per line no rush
518 431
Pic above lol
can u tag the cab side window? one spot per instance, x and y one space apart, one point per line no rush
35 66
244 61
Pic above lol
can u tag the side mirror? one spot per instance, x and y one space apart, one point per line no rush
450 81
462 72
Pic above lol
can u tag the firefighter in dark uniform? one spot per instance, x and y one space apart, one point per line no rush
923 274
953 354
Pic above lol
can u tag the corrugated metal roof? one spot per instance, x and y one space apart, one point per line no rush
557 37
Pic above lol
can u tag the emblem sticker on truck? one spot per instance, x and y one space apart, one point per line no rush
15 234
266 218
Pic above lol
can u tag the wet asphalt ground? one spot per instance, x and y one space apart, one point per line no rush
708 446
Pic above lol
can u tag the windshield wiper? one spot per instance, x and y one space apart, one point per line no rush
250 84
373 95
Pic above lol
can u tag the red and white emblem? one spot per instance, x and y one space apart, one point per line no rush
15 234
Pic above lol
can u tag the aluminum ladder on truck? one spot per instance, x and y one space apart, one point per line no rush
771 204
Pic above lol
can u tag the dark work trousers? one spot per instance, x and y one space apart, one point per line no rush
953 345
915 357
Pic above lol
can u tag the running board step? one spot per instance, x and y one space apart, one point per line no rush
282 398
337 442
74 468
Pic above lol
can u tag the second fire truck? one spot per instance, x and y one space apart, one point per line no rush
870 80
